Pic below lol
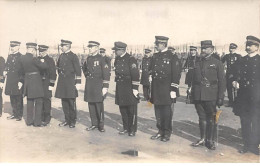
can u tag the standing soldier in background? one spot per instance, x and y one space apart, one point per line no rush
146 62
2 80
69 78
48 79
247 102
208 88
106 57
230 59
164 71
33 88
127 82
14 80
97 73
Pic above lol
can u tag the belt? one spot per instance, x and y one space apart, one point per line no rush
208 84
31 73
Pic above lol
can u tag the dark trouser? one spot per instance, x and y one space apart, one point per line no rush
250 126
46 110
129 117
17 105
207 113
230 91
163 115
34 111
69 109
146 91
96 111
1 101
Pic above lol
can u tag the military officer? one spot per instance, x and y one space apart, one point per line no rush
14 80
230 59
127 83
48 80
2 79
207 91
146 62
247 102
69 78
164 72
97 73
33 87
107 58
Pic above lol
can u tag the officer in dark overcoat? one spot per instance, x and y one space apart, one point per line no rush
107 58
247 102
146 62
127 83
48 79
2 80
190 64
97 74
14 80
33 87
69 78
164 70
230 59
207 91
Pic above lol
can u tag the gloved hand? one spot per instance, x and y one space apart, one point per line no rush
173 94
4 73
78 86
104 91
20 85
42 60
135 92
235 84
150 78
50 88
189 90
219 102
1 85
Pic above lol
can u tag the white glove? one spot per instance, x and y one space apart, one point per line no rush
189 89
150 78
50 88
42 60
4 73
1 85
78 86
104 91
173 94
235 84
20 85
135 92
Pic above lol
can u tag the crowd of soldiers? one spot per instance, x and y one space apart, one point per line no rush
35 76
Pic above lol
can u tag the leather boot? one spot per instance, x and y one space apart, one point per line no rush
210 144
202 125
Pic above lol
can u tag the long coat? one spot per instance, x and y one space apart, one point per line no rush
48 75
31 66
208 80
248 77
127 79
69 70
165 77
146 62
14 75
2 68
97 74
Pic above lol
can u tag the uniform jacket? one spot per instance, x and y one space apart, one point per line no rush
230 59
190 65
108 61
97 74
127 79
14 75
2 68
146 62
69 74
165 77
248 77
208 80
31 66
48 75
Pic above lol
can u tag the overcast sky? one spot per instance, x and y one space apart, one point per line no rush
133 22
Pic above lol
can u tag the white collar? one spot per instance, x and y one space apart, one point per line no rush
165 49
252 54
67 51
123 54
15 52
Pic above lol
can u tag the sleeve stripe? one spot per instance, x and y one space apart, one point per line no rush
105 81
175 85
52 81
78 77
135 82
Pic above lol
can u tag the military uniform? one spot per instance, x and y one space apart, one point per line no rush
69 75
107 58
33 87
230 59
2 80
247 102
190 64
165 79
127 80
146 62
97 74
14 76
48 79
208 88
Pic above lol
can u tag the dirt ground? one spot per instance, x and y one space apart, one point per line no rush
20 143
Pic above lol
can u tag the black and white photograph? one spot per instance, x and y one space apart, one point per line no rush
129 81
